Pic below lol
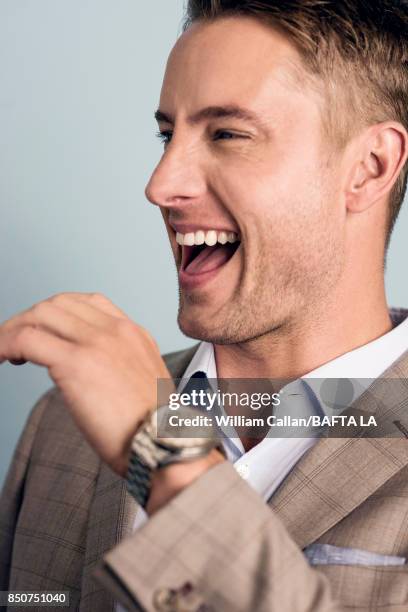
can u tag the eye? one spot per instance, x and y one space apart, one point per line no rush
164 136
226 135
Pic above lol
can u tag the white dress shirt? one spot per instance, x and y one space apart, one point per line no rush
268 463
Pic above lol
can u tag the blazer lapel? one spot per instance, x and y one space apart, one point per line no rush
338 474
335 477
112 513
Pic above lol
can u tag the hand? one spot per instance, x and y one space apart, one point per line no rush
105 365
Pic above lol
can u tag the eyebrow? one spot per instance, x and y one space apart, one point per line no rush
213 112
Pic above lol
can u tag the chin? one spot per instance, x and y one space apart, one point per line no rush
200 328
194 328
208 329
224 330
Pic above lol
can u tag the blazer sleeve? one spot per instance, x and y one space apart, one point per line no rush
215 546
13 489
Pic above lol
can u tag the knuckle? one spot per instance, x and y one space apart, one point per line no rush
154 343
5 326
57 299
98 298
147 337
128 329
124 327
42 308
142 331
61 301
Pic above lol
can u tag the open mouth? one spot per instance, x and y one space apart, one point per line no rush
206 251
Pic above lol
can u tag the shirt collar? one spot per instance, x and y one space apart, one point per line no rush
202 361
368 361
363 363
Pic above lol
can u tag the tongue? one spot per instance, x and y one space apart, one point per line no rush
210 258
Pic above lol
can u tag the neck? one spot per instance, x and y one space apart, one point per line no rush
308 341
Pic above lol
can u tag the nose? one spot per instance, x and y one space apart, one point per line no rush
178 178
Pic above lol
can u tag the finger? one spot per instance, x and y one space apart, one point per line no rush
86 307
33 344
85 310
52 319
97 300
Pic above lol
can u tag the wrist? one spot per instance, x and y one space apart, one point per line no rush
151 453
168 481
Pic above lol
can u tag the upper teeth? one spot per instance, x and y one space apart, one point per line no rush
210 238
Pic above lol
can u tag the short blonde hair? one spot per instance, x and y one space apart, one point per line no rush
358 49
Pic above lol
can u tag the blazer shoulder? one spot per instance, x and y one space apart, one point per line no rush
57 439
50 411
36 414
34 422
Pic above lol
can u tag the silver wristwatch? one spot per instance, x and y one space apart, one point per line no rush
150 452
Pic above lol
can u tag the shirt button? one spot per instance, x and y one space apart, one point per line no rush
243 470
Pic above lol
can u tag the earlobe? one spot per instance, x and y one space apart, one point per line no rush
383 153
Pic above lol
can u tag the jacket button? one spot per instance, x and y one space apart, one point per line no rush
164 600
183 599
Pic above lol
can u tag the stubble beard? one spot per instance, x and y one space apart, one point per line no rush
254 309
271 299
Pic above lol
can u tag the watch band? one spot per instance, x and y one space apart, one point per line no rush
149 453
138 481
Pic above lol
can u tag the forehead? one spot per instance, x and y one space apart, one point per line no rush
235 60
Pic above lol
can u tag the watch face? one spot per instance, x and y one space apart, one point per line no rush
183 428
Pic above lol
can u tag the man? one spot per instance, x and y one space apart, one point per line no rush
285 131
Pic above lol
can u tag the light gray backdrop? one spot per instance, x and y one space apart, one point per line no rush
79 81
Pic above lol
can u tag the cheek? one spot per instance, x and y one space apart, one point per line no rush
268 178
292 235
270 205
287 206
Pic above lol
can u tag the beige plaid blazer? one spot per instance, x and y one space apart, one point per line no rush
66 523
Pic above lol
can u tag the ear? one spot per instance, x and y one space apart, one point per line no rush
381 153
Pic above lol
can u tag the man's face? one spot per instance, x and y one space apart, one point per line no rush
262 177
